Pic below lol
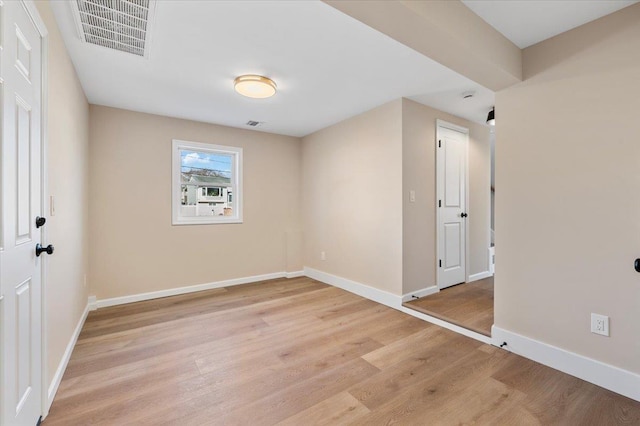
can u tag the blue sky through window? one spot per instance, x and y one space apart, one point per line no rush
205 163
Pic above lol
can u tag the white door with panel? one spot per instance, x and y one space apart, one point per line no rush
20 268
451 177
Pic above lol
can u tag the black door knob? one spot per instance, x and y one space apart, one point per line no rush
636 265
463 215
40 221
39 249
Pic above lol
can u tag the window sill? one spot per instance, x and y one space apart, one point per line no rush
199 221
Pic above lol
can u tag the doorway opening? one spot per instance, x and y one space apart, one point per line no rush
465 258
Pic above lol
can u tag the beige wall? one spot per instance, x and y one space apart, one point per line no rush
67 175
567 208
356 180
419 174
134 247
352 198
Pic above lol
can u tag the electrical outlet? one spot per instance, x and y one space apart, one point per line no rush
323 256
600 324
412 196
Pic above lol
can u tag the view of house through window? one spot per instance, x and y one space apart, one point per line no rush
205 181
208 182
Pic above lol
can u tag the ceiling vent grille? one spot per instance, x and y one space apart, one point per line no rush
115 24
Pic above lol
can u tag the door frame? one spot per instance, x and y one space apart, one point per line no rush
33 13
465 131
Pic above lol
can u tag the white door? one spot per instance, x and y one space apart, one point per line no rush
451 176
20 269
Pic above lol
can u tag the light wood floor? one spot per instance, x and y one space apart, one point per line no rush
298 352
469 305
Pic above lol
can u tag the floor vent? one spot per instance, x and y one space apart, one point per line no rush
115 24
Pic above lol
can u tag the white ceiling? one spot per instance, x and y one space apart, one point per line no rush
527 22
327 66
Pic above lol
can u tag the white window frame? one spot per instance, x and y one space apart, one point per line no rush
176 190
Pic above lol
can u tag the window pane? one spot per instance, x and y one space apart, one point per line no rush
205 163
206 180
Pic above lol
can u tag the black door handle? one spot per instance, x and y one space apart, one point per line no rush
39 249
463 215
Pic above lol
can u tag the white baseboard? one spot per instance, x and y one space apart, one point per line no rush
479 276
607 376
371 293
295 274
103 303
420 293
57 378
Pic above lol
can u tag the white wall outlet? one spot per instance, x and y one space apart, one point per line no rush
323 255
412 196
600 324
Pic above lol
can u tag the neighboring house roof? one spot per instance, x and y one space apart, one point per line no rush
205 180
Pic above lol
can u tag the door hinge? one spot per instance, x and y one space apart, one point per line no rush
440 262
439 144
439 203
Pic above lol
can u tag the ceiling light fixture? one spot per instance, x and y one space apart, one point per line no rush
491 118
255 86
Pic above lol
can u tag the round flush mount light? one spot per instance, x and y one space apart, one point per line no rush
255 86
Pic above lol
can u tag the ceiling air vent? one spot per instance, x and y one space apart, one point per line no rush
115 24
253 123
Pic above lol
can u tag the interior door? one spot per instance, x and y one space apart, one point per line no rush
20 269
451 171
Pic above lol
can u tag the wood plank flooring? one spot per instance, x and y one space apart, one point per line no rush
469 305
298 352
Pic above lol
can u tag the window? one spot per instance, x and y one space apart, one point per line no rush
214 192
206 179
